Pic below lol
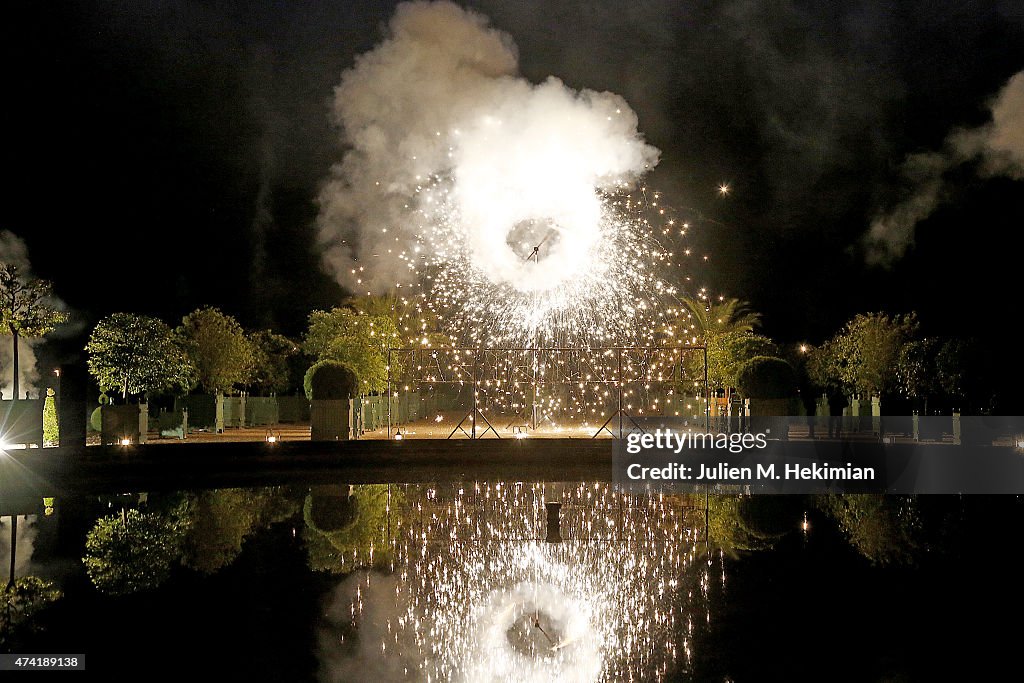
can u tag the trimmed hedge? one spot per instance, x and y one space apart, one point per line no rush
330 380
767 377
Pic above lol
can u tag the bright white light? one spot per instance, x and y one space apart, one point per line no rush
126 442
482 602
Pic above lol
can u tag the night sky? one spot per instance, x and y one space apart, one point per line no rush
166 155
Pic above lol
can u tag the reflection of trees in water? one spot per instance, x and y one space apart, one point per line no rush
885 529
221 521
134 550
347 526
137 548
738 523
20 605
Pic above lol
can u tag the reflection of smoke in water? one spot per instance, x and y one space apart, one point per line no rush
27 531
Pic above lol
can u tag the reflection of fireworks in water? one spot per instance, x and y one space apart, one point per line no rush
483 599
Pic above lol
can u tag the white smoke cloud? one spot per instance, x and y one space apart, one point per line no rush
28 374
441 96
997 146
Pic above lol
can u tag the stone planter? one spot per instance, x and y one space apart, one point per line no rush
129 422
330 420
770 416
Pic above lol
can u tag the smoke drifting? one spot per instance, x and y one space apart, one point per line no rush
997 147
441 98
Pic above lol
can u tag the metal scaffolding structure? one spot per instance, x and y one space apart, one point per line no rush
526 370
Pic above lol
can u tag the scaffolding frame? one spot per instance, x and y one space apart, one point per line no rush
474 366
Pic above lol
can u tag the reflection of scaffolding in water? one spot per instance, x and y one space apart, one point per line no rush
525 370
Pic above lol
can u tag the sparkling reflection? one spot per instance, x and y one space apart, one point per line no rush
482 596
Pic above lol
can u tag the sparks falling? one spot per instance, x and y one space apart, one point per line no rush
588 271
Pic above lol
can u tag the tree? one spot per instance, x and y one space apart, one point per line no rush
135 354
415 326
134 550
864 357
916 375
728 352
51 428
726 329
360 341
25 310
219 349
272 354
728 315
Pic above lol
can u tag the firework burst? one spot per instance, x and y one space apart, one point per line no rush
600 270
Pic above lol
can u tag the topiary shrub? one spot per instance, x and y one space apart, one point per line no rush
330 380
51 430
766 377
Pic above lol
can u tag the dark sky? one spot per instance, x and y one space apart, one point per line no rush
166 155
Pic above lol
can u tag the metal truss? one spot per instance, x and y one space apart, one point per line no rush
614 367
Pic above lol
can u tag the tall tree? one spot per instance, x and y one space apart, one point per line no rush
726 328
360 341
415 326
865 356
25 310
272 354
135 354
221 352
727 316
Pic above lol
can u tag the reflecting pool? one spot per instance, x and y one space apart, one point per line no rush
509 581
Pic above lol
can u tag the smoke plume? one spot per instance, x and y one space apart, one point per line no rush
997 147
441 97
